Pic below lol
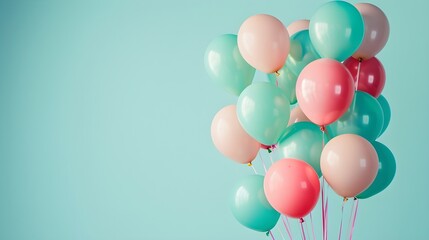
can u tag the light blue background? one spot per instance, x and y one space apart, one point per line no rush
105 113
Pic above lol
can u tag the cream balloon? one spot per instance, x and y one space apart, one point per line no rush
296 115
349 163
298 26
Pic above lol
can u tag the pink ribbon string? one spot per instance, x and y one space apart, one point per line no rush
301 222
326 212
286 226
342 216
312 226
358 75
281 234
272 236
351 216
354 219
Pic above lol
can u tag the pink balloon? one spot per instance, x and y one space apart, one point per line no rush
298 26
324 90
372 76
263 42
349 163
292 187
296 115
230 138
376 31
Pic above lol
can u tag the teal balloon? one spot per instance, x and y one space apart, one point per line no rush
386 171
302 52
250 206
225 65
336 30
304 141
364 118
386 112
286 81
263 111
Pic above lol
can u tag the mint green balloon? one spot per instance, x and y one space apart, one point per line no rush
286 81
263 112
386 171
250 206
302 52
225 65
304 141
336 30
386 112
364 118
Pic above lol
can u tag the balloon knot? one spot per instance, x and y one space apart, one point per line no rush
267 233
345 199
277 73
249 164
323 128
360 59
301 220
355 198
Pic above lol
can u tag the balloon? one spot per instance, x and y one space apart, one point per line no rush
386 171
376 31
230 138
286 81
292 187
250 206
226 66
296 115
336 30
304 141
298 26
364 118
371 77
324 90
263 111
302 52
386 112
349 164
264 42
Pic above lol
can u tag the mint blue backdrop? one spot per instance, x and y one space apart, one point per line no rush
105 113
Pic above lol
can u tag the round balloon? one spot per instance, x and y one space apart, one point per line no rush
349 163
296 115
376 31
301 53
264 42
250 206
336 30
230 138
226 66
386 171
364 118
304 141
285 79
324 90
292 187
386 112
263 111
298 26
371 78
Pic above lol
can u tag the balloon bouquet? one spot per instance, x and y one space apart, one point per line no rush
326 68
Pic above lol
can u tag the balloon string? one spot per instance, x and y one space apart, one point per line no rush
358 74
271 158
286 226
263 163
342 216
277 78
306 229
253 167
281 234
351 216
312 226
301 221
354 218
272 236
326 211
323 209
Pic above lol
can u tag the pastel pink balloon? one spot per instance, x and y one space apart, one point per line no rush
292 187
296 115
376 31
298 26
263 42
349 163
230 138
372 76
324 90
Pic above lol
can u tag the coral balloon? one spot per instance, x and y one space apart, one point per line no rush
250 206
371 78
263 42
377 31
298 26
324 90
230 138
292 187
349 163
